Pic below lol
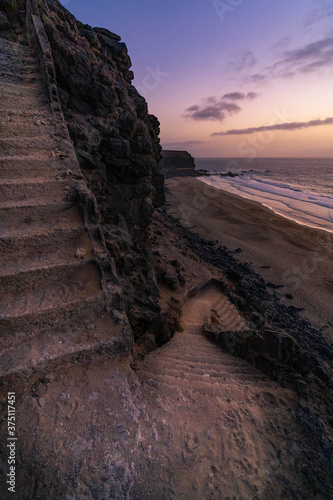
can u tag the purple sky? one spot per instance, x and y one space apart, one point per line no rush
239 66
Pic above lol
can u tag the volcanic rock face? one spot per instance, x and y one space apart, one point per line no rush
117 145
177 164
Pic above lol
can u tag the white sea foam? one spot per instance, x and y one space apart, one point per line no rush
303 207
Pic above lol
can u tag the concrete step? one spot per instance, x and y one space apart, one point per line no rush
46 289
21 222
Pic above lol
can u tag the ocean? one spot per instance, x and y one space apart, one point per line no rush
300 189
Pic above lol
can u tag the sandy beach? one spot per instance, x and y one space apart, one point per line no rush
296 258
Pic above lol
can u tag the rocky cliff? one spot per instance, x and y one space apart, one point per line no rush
117 145
177 164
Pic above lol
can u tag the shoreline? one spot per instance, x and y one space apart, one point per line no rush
291 257
306 211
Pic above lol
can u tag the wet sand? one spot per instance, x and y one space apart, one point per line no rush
281 251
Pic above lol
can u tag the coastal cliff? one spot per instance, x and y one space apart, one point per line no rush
91 263
177 164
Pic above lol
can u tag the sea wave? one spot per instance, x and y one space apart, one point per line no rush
289 201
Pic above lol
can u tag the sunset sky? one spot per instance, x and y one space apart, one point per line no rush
230 78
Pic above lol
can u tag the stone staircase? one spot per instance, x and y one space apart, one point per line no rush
226 316
52 305
219 418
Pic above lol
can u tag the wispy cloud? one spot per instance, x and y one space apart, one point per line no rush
307 59
239 96
243 62
167 145
280 126
322 13
282 44
313 57
212 108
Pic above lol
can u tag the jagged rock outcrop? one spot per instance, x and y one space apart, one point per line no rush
117 145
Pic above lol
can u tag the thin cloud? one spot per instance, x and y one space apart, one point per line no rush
280 126
239 96
282 44
322 13
257 78
183 144
312 58
243 62
252 95
215 109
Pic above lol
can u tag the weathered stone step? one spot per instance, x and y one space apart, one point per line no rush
24 116
44 144
65 318
103 338
209 387
201 380
229 317
195 330
20 64
55 244
33 254
25 293
185 341
30 167
12 89
30 128
206 375
24 102
17 55
52 191
194 357
8 76
39 220
11 47
226 361
56 197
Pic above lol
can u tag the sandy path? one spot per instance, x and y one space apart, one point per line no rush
283 252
